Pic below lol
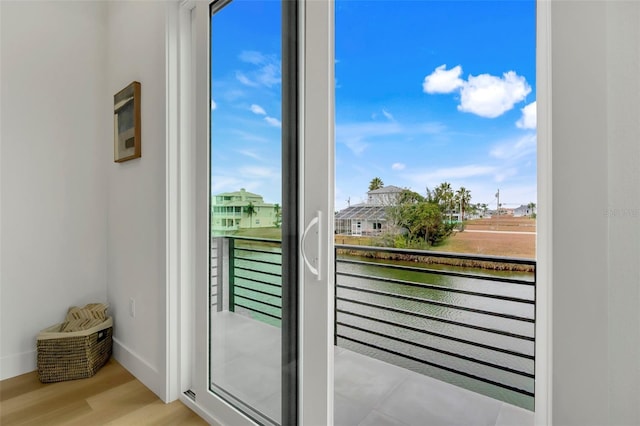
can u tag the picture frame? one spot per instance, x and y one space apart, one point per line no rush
127 143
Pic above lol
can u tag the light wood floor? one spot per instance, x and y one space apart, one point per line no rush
113 396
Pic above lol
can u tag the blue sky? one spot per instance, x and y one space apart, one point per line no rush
426 92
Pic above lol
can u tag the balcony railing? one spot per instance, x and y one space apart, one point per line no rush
471 323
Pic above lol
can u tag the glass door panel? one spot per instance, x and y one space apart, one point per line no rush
247 309
435 110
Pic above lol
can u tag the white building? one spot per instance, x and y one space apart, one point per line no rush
231 211
523 210
367 218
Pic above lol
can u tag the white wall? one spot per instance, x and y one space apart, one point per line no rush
136 196
623 152
596 253
75 226
53 185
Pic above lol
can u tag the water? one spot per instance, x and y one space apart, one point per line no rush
441 344
370 325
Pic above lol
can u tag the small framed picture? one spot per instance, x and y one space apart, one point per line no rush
126 119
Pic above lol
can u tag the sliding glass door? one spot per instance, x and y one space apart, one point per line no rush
264 278
419 336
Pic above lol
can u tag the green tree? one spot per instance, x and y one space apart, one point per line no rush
430 196
376 183
472 209
483 208
407 196
278 212
532 209
250 210
422 220
443 195
463 197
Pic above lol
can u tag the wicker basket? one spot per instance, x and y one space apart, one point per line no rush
73 355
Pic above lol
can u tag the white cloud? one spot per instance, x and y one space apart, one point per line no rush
254 178
273 121
502 175
267 71
529 117
470 176
250 154
356 145
442 80
257 109
213 105
490 96
432 128
245 80
512 194
252 57
452 173
366 129
250 137
258 172
356 135
484 95
269 75
397 166
388 115
514 150
232 95
221 183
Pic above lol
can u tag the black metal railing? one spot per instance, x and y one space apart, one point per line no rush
473 319
414 309
255 278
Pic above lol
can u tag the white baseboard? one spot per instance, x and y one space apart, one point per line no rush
140 368
17 364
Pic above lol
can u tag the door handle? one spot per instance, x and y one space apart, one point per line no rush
317 222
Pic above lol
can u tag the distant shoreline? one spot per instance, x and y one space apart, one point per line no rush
426 259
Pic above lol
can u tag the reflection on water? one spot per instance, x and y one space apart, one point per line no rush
437 348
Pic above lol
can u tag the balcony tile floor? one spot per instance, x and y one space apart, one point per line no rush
246 363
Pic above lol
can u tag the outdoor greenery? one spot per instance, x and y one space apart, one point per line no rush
269 233
250 210
376 183
416 221
463 196
278 211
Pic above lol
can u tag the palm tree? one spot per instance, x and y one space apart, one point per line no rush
376 183
531 206
250 210
484 207
443 195
463 196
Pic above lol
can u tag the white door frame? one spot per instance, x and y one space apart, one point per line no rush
544 248
317 195
192 168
